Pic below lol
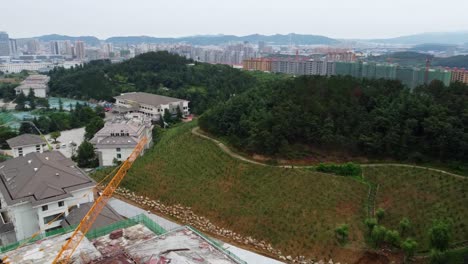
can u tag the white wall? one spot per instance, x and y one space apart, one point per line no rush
28 149
25 220
155 111
41 93
28 220
108 155
79 197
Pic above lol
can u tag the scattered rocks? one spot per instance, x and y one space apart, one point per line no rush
116 234
187 216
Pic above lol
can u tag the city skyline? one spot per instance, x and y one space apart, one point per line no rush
336 19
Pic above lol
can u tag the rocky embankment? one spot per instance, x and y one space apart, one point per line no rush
187 216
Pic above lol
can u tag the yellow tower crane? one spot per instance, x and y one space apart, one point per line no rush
67 250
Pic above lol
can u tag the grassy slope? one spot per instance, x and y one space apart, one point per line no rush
295 210
421 196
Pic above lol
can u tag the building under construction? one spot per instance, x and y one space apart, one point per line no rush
134 240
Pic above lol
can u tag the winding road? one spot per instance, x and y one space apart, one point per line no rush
196 131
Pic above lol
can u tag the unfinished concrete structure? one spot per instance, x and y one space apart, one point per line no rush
138 242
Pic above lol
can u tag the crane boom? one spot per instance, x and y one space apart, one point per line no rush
72 243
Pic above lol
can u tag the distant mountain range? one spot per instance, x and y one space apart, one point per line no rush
423 38
90 40
448 38
277 39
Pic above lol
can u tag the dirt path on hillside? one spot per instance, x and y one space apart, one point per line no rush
196 131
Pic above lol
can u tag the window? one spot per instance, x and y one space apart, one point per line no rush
38 148
45 207
117 149
55 217
61 203
119 156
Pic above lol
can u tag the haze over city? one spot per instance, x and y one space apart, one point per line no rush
175 18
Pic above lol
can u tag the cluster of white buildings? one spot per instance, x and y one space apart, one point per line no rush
36 83
117 139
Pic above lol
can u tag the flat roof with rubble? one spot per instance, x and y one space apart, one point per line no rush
134 244
182 245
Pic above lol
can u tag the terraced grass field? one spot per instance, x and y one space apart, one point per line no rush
422 196
295 210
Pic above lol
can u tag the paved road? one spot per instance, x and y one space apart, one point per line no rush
129 210
74 135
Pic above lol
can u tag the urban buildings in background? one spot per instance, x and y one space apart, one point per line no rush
409 76
36 55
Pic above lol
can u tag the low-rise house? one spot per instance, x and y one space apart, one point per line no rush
151 105
26 143
117 139
37 191
37 83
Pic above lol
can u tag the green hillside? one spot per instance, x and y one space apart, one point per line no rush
295 210
422 196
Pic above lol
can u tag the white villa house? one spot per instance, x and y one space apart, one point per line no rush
38 188
117 139
37 83
25 144
151 105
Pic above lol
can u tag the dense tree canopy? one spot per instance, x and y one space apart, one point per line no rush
378 118
156 72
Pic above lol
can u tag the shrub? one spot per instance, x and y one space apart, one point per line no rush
342 232
380 213
405 225
370 223
378 235
392 237
440 235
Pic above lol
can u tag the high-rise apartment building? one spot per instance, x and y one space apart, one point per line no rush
4 44
13 47
460 75
79 50
54 47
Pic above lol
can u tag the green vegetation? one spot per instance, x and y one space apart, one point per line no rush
409 247
55 135
373 118
86 157
421 196
342 233
94 125
347 169
204 85
56 120
295 210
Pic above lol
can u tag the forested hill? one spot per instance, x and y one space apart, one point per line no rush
375 118
154 72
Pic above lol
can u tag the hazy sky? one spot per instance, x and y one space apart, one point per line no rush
170 18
